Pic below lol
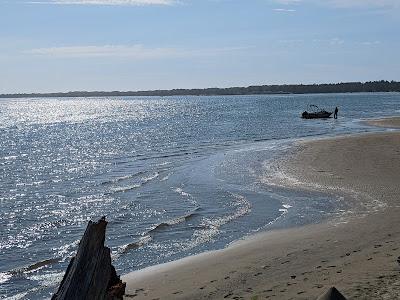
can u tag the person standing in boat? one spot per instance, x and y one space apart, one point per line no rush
336 111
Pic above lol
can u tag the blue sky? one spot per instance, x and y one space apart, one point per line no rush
64 45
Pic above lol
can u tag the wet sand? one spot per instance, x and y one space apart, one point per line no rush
393 122
359 254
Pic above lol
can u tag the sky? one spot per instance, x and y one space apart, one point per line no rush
107 45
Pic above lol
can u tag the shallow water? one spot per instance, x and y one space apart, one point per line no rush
175 176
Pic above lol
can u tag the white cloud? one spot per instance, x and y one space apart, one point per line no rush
330 42
137 52
283 10
106 2
370 43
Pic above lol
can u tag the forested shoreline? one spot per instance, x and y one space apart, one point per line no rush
343 87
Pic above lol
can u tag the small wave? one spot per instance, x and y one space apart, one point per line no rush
19 295
122 178
150 177
4 277
210 228
189 196
41 264
175 221
243 208
124 189
33 267
164 178
137 185
131 246
165 163
47 280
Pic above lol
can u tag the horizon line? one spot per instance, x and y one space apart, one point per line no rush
155 91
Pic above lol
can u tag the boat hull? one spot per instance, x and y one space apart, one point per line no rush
317 115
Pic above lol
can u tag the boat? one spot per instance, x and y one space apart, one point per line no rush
315 113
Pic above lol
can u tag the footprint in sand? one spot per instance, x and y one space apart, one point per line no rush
265 267
178 292
228 295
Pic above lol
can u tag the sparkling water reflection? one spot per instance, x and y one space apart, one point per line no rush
174 176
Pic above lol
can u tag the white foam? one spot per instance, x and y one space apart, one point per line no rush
150 177
183 193
49 279
4 277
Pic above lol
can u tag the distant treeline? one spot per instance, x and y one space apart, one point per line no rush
343 87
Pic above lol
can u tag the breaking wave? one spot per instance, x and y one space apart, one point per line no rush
166 224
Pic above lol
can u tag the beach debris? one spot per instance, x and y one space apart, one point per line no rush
90 274
332 294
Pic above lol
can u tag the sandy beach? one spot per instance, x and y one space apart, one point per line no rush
358 252
391 122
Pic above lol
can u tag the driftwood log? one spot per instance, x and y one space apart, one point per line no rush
332 294
90 274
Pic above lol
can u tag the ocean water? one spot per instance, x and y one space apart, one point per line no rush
175 176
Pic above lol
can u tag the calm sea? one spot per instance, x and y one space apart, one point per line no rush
175 176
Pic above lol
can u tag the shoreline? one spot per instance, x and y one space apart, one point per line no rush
357 256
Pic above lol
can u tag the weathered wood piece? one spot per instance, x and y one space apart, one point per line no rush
90 274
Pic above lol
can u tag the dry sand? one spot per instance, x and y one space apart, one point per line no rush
359 254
